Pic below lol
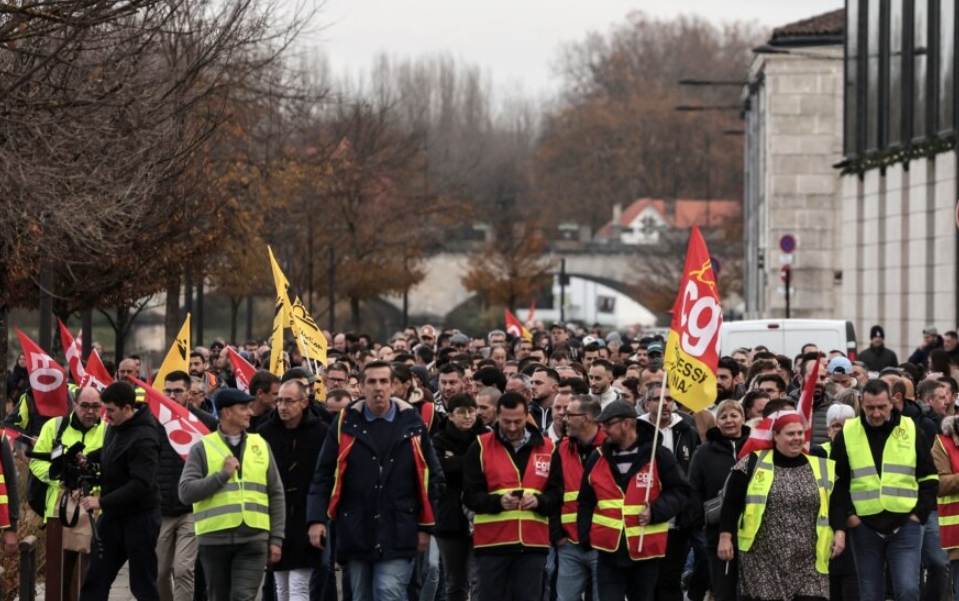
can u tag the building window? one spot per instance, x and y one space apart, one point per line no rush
921 63
947 65
894 89
851 95
873 57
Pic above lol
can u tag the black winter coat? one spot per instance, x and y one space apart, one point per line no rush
171 467
451 445
128 466
707 475
674 490
296 452
377 517
878 358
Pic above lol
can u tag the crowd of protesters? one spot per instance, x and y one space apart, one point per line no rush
438 466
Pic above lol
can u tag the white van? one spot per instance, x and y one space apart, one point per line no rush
787 336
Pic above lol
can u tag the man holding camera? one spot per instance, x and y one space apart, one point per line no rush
129 498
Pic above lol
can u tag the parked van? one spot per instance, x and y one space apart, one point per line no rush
787 336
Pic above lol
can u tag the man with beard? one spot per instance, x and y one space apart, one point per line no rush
820 403
600 382
558 428
451 382
877 357
726 386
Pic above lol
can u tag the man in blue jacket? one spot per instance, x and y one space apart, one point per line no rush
378 481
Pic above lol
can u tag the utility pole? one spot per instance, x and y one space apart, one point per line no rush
563 280
332 285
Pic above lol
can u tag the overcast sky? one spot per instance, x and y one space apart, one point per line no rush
514 40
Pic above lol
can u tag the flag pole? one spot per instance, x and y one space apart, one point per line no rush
652 458
309 360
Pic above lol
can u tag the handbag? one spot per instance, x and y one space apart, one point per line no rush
713 508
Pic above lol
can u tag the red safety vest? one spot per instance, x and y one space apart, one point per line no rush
346 442
617 512
572 480
502 476
427 414
949 505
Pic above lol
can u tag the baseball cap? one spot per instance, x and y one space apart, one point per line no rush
459 339
840 366
615 410
227 397
654 347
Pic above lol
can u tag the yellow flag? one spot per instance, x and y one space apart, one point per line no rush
309 338
177 358
279 322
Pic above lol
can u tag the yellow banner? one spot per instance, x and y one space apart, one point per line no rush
691 382
276 338
309 337
177 358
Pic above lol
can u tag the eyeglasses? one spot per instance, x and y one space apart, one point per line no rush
611 422
90 406
333 380
173 391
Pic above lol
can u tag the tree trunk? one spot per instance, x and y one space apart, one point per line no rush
249 317
120 331
199 313
355 312
234 314
171 322
187 296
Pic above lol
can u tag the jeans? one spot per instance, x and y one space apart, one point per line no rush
380 580
132 539
457 557
699 582
635 582
234 572
293 585
576 568
934 560
176 556
902 550
516 576
429 570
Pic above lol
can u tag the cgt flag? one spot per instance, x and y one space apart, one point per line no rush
96 375
242 368
48 381
177 358
182 428
515 328
73 349
692 350
309 338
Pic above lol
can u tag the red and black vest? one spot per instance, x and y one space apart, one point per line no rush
568 450
502 476
617 512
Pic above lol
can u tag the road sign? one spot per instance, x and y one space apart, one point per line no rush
784 273
787 243
785 259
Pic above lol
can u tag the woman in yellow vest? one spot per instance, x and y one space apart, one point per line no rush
777 505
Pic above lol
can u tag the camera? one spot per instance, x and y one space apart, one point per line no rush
65 467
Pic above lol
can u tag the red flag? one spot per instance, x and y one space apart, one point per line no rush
183 429
11 435
241 369
806 400
532 313
73 349
97 375
761 437
515 328
48 380
692 349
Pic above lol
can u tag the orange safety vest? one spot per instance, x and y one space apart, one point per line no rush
617 512
502 476
949 505
345 445
572 480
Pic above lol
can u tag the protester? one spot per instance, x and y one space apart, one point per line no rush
384 510
625 499
843 583
889 490
877 357
708 472
945 454
507 482
453 528
779 504
234 485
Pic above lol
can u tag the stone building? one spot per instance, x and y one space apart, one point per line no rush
794 123
898 182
